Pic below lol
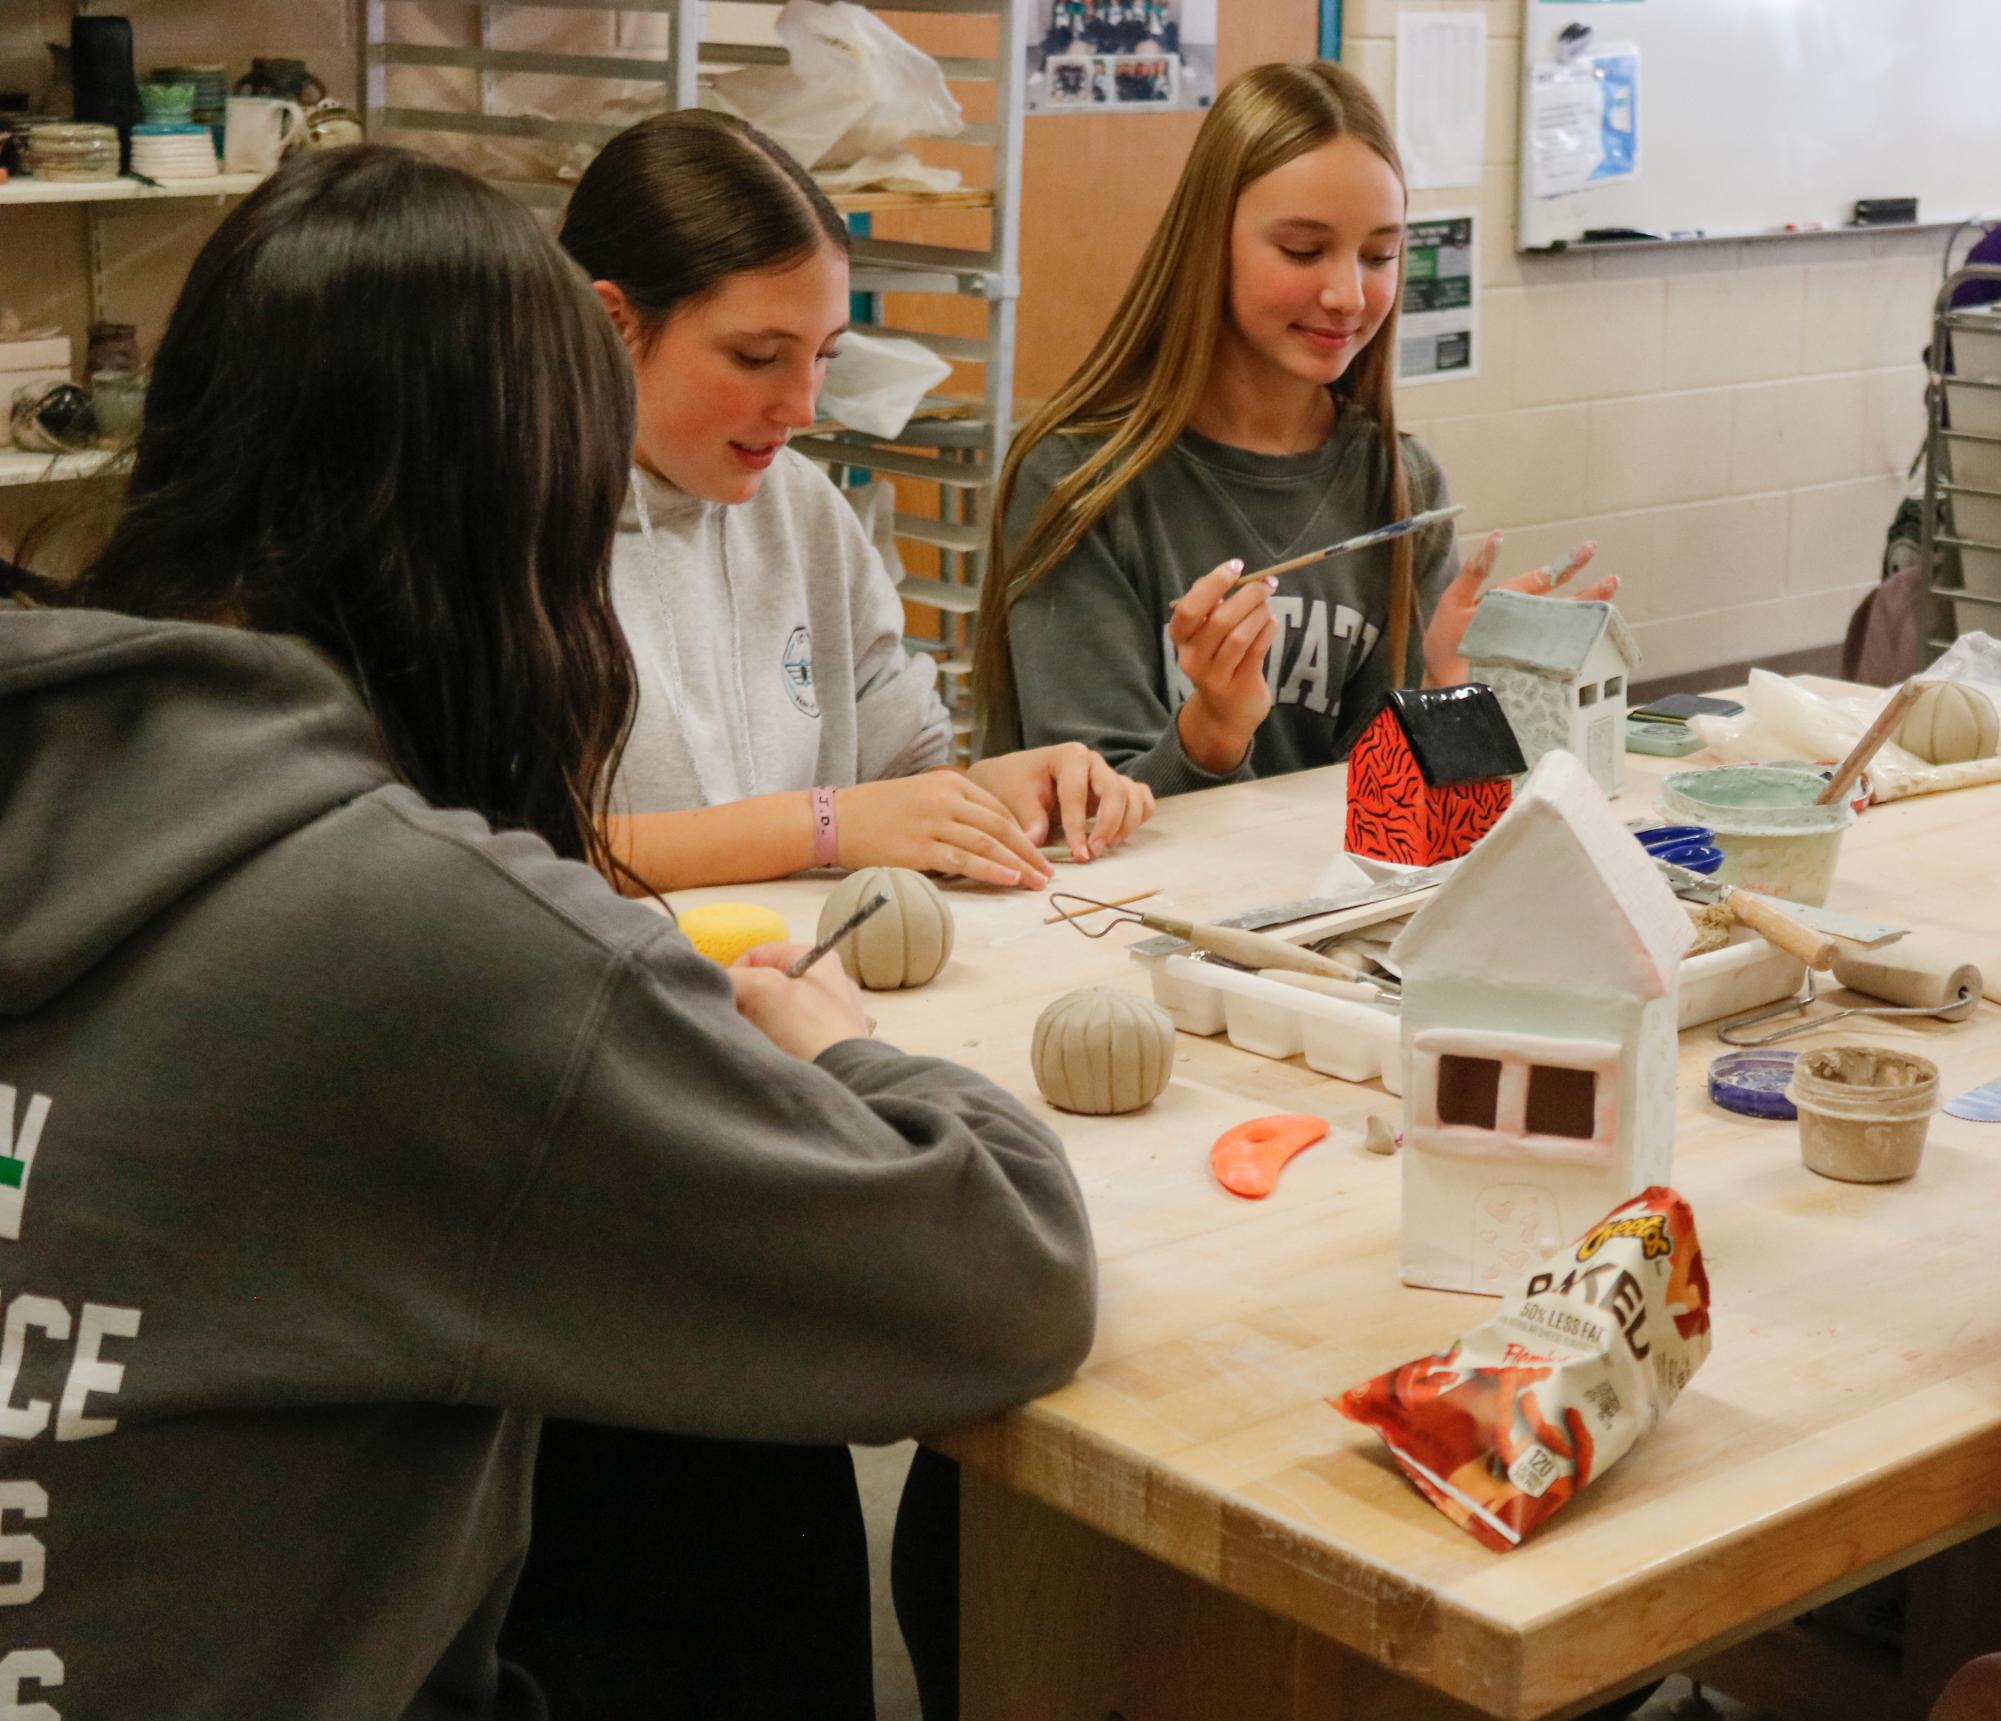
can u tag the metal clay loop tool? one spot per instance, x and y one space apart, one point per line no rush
1731 1032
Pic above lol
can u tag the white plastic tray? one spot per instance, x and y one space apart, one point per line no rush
1359 1042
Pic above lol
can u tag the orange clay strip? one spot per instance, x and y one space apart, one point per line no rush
1248 1159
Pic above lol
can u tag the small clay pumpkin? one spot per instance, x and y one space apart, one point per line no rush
905 944
1950 723
1099 1052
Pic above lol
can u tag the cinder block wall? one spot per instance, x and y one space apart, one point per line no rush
1730 421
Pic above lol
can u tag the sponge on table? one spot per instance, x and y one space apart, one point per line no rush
723 931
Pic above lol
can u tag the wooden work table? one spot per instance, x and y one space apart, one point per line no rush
1187 1532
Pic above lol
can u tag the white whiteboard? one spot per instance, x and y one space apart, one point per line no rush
1759 115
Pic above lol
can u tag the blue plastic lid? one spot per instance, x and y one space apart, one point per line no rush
1754 1082
1691 846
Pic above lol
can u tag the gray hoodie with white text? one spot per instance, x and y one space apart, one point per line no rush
340 1136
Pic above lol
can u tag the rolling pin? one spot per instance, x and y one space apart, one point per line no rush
1914 977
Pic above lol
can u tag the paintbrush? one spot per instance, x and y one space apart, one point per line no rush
1367 540
879 900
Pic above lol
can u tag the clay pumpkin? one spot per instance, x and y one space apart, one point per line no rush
1101 1052
1950 723
905 944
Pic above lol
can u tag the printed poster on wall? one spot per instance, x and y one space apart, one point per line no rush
1584 121
1121 56
1437 322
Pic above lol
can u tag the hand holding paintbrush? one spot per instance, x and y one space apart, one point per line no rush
798 1007
1361 541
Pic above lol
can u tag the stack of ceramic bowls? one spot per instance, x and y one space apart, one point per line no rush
69 151
165 152
211 85
166 102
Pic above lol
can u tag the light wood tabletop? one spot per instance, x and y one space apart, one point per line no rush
1188 1530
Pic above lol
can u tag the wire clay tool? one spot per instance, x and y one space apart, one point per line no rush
879 900
1232 943
1910 980
1364 541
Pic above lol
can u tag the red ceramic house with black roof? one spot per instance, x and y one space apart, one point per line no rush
1430 774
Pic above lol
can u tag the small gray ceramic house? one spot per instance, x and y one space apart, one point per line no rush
1560 668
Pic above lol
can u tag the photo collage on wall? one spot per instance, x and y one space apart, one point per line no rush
1121 56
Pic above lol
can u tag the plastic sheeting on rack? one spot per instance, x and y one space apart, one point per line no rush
1784 719
854 91
874 383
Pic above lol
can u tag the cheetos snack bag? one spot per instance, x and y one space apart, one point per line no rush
1503 1428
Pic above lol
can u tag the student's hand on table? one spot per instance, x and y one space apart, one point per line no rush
1221 639
821 1008
1443 666
936 821
1067 785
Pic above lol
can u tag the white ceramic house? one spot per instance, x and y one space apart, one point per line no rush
1538 1037
1561 669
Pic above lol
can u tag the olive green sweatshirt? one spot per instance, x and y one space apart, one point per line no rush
1091 657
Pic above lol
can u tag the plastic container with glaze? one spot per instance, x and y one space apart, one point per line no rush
1863 1111
1773 837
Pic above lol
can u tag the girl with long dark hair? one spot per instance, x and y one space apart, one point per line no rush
348 1122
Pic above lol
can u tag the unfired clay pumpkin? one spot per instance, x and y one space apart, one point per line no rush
904 944
1950 723
1096 1051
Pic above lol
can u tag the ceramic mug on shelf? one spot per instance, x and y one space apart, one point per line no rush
257 131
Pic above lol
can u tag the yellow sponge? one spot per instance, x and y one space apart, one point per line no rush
723 931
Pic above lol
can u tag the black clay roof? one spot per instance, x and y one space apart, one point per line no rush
1456 734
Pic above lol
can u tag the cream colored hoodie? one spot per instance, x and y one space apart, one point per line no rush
769 644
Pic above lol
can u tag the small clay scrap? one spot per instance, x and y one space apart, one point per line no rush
905 944
1379 1136
1713 921
1101 1052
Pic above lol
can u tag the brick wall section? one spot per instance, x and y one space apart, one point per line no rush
1730 421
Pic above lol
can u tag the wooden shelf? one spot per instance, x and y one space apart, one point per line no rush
879 202
17 466
124 190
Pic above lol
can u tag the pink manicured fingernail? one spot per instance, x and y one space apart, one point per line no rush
1235 567
1271 582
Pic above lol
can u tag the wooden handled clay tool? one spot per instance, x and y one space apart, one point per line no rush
1864 750
1365 541
1760 913
1232 943
879 900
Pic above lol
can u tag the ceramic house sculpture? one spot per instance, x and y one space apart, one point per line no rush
1560 668
1429 775
1538 1037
